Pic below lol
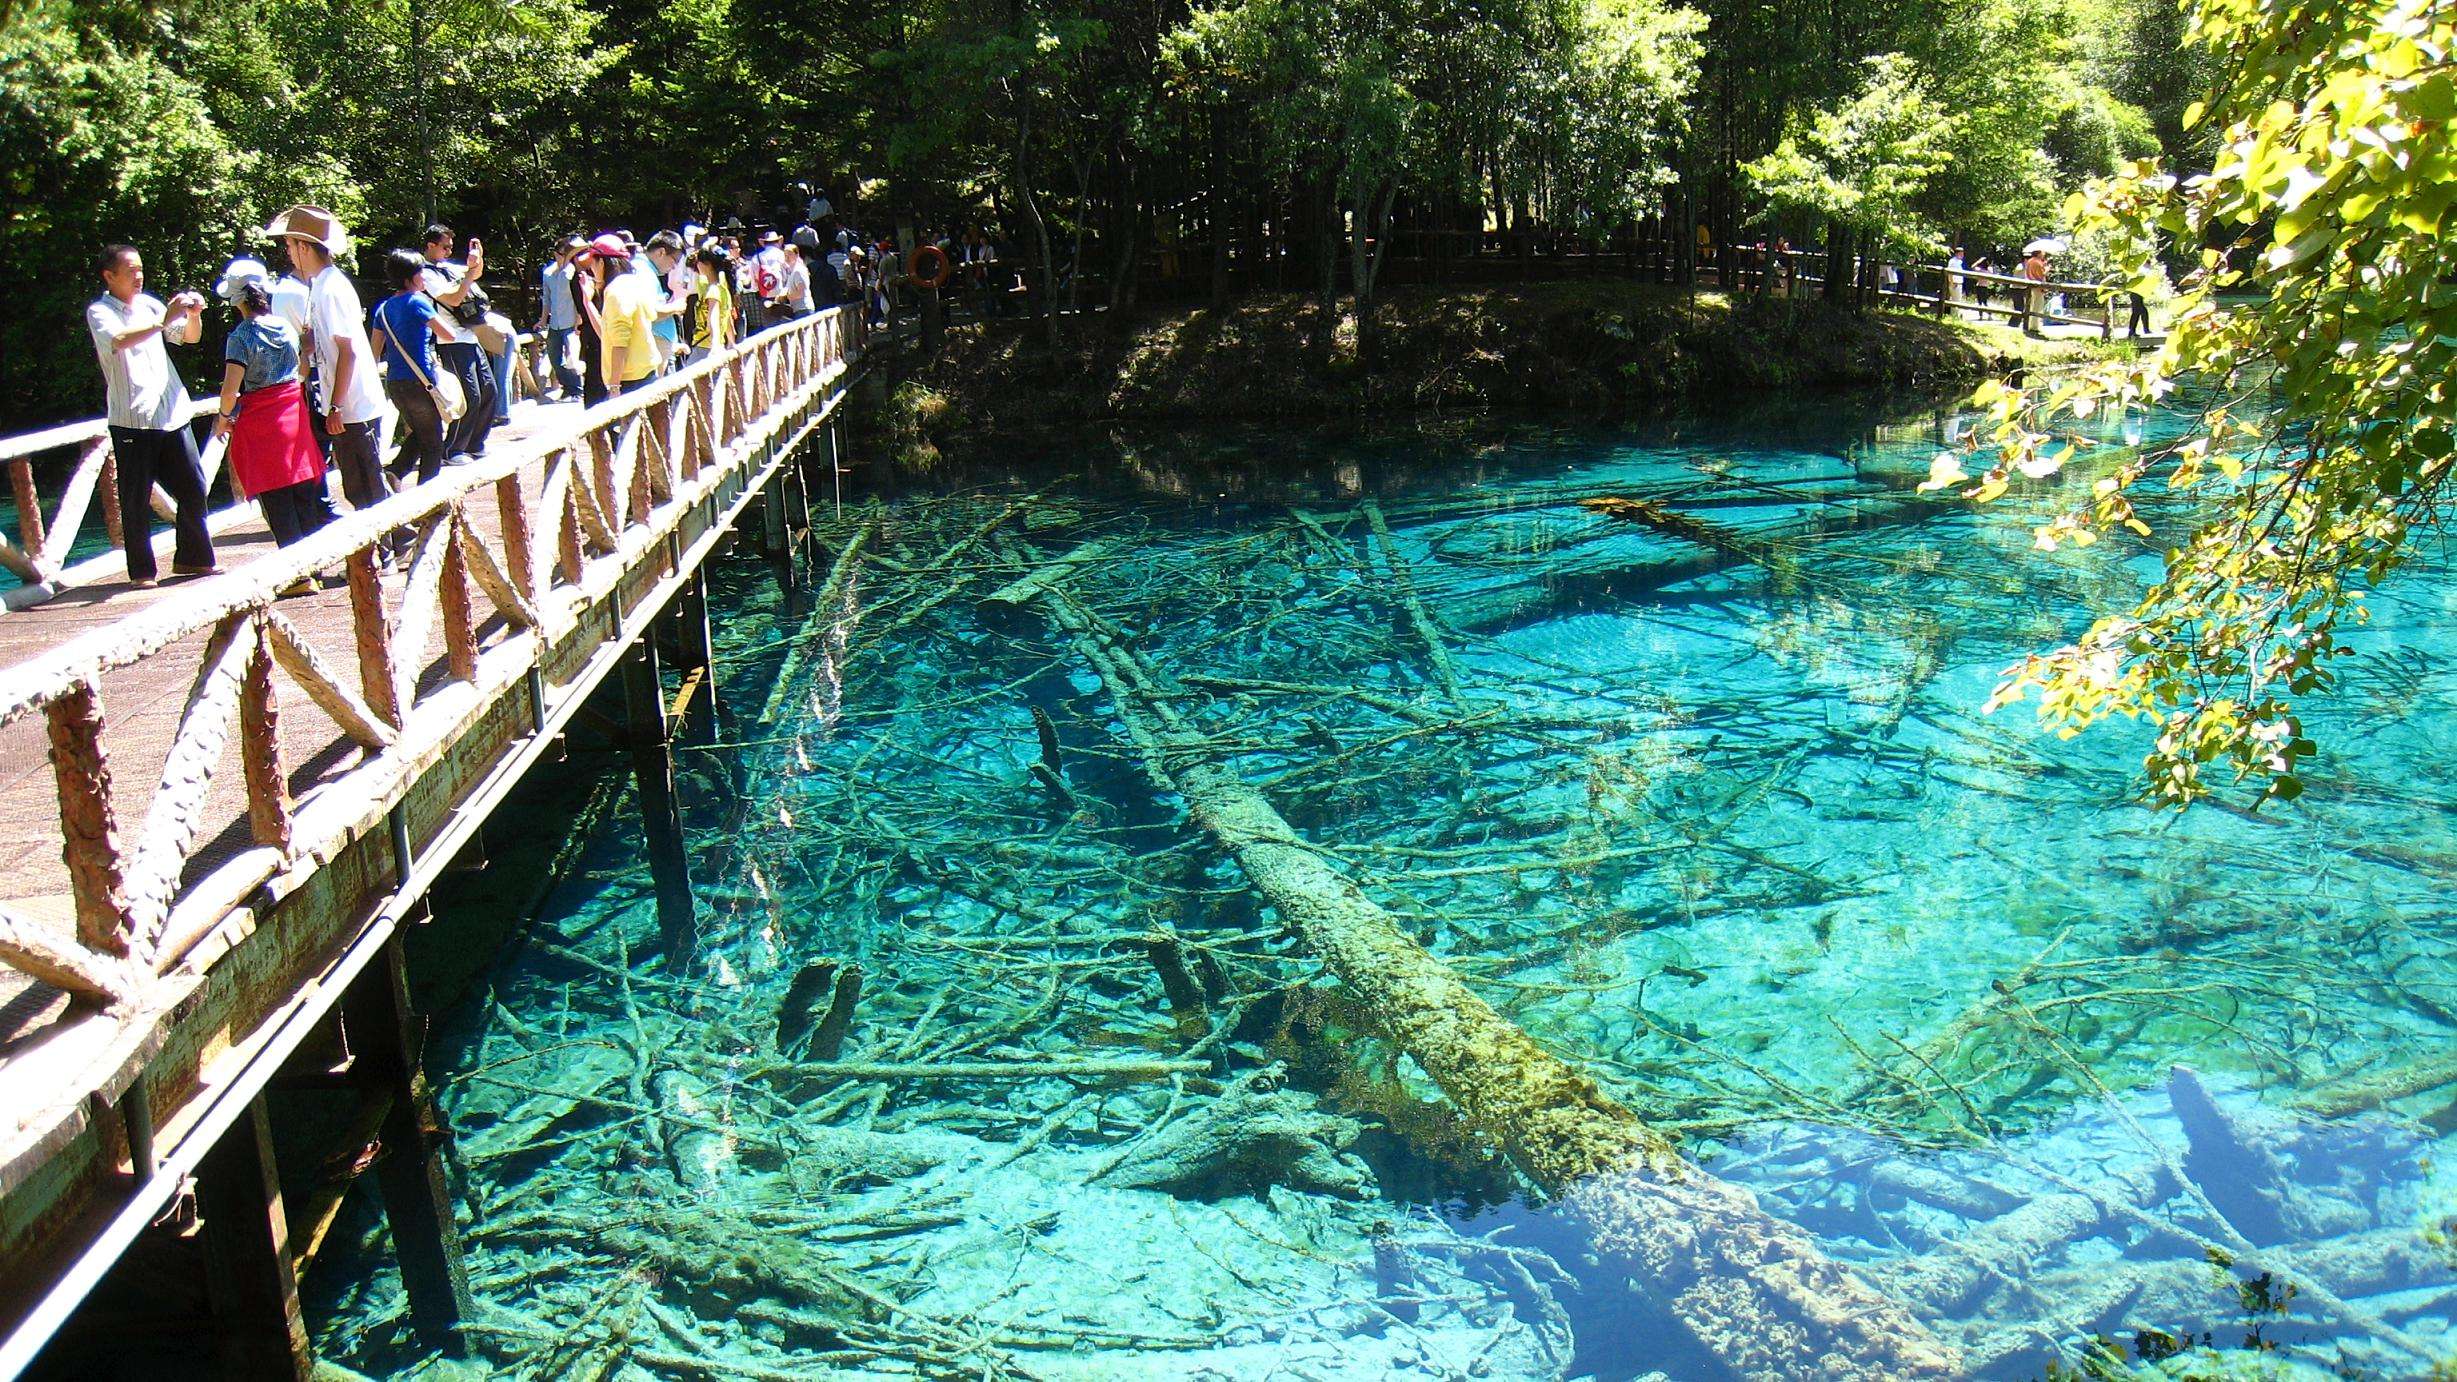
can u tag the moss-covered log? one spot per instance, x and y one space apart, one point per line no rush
1749 1288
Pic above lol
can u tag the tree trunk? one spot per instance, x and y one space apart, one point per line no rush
1326 258
1122 262
1040 226
1218 212
1749 1288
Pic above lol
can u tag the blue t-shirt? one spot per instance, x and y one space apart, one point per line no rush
266 348
403 319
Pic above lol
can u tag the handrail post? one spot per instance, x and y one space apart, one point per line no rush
260 750
372 626
29 508
519 540
114 529
452 590
89 827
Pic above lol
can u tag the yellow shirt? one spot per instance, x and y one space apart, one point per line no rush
714 329
629 311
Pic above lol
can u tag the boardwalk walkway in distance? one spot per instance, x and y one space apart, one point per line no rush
220 803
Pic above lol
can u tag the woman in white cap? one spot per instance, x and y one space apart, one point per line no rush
273 452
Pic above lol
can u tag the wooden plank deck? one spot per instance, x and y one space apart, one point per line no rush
144 703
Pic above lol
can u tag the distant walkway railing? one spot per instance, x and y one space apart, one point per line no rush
42 551
1464 257
498 561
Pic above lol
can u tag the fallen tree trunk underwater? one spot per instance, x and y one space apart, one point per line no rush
1752 1290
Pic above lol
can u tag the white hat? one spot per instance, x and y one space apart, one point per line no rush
242 271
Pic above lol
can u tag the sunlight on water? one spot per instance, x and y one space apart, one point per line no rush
1701 801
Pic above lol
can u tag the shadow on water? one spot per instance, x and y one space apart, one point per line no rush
1702 804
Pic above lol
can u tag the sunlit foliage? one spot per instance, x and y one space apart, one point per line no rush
2329 441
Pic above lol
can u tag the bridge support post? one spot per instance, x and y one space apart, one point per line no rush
245 1236
777 543
652 764
793 484
384 1049
703 717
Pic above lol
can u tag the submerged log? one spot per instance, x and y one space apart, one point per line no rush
2230 1157
1403 586
1255 1134
819 622
2378 1088
1965 1268
702 1160
1168 956
1966 1196
805 1005
1055 1068
1750 1288
828 1041
2189 1293
1500 608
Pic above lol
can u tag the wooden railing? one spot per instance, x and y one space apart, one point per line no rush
494 562
40 552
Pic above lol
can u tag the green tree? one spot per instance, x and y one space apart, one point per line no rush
1863 164
182 127
2332 436
107 142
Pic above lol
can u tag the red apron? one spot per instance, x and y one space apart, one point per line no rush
272 441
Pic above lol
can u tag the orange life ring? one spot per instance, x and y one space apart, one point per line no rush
930 254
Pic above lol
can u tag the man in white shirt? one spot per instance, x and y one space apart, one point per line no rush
353 389
454 286
793 286
148 413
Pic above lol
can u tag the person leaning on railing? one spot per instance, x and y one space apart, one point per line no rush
148 412
263 412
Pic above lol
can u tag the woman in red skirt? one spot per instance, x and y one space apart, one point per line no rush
273 452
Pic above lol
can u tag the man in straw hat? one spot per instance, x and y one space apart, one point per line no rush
353 394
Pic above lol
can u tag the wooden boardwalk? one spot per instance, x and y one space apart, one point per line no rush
217 804
145 703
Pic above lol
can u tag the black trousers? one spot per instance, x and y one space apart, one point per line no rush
363 481
468 436
2140 321
146 457
422 430
294 511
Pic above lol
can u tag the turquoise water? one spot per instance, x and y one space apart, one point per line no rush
2078 1083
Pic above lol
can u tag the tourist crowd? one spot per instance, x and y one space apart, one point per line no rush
312 373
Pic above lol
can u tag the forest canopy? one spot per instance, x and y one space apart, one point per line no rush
1085 134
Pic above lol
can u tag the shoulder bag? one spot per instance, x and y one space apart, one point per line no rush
445 389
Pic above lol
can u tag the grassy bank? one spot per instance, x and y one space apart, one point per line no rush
1595 347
